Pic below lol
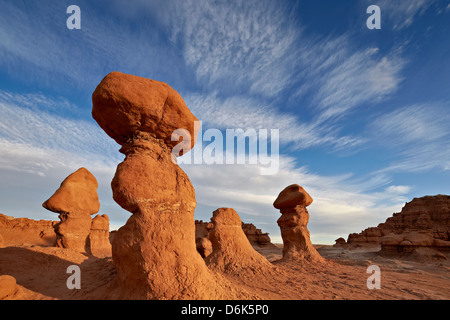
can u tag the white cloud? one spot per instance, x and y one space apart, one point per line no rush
342 77
251 44
244 112
401 14
398 189
419 134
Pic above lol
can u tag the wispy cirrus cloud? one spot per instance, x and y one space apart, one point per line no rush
342 77
419 133
251 44
401 14
251 55
245 112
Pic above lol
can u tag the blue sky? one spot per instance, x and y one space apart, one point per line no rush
363 114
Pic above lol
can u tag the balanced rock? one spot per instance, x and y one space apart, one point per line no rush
75 201
99 237
154 252
292 202
232 251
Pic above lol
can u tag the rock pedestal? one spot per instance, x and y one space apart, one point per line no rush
99 237
292 203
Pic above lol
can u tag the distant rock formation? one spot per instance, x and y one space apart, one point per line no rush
24 231
154 252
202 242
232 252
256 237
99 237
339 242
75 201
422 222
292 203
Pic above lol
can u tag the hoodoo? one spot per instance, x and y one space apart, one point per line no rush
75 201
154 252
292 203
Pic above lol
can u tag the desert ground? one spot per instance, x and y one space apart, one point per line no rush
41 274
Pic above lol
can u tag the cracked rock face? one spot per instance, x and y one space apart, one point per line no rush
154 252
292 202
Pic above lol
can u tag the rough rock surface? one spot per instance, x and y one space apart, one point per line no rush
154 252
24 231
292 202
8 286
422 222
75 201
232 251
99 237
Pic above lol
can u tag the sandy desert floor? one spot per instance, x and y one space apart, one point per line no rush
41 274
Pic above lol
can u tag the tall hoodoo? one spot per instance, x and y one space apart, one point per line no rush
292 203
154 252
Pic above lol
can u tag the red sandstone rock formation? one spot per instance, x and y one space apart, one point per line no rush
154 252
423 218
292 203
75 201
8 286
99 237
232 252
256 236
24 231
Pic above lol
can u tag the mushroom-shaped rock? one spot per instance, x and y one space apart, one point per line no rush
77 195
99 237
292 202
291 196
154 252
75 201
232 251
